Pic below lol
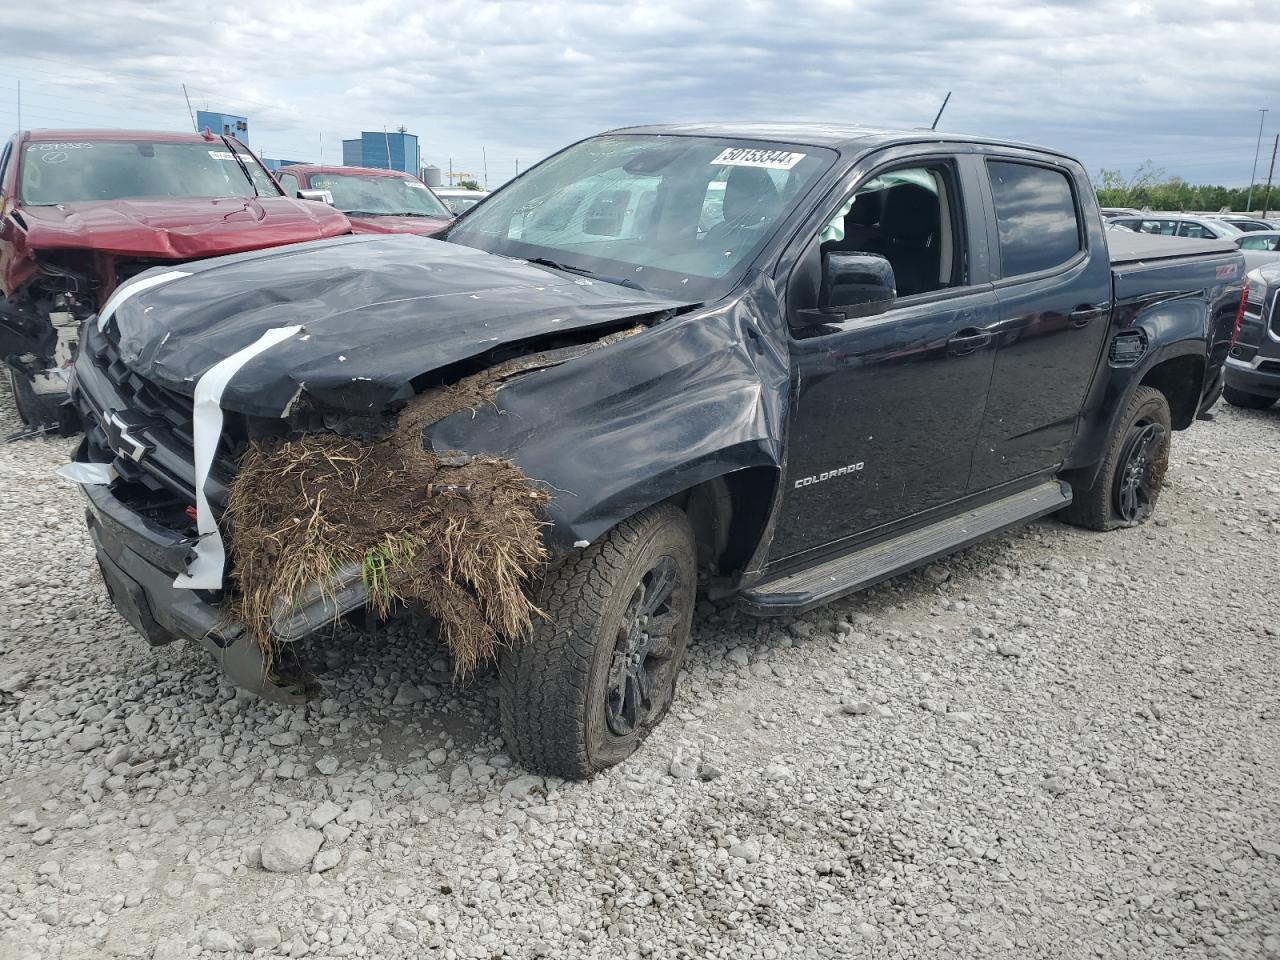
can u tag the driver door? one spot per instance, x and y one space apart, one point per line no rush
886 409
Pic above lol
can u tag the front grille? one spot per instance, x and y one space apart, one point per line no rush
160 482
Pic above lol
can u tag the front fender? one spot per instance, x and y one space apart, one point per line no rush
630 424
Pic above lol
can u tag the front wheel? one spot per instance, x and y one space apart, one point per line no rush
37 409
1132 475
1246 401
598 671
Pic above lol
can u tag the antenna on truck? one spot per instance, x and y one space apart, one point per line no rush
945 101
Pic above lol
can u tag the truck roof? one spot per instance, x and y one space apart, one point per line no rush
834 135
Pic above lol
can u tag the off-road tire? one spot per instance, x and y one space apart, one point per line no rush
554 683
35 409
1094 507
1247 401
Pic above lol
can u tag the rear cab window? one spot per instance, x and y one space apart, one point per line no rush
1037 216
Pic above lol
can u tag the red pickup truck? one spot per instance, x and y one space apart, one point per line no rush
81 211
375 201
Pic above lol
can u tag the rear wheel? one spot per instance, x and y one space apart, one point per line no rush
1247 401
599 670
1132 475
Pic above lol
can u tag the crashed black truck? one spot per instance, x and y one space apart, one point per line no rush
777 362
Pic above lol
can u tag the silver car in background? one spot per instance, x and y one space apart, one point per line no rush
1177 225
1259 247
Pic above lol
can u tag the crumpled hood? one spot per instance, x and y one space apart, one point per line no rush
180 228
375 311
423 226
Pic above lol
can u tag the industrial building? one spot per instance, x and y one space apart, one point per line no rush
386 151
223 123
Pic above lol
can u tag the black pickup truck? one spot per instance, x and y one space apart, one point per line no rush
782 362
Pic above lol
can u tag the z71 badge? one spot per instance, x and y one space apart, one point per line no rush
829 474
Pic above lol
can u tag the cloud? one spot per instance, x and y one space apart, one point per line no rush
1178 81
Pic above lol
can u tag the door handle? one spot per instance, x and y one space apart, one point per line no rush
967 341
1083 316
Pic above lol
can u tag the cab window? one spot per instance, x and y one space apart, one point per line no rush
289 182
1036 214
909 217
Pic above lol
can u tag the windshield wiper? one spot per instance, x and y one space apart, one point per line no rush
243 167
583 272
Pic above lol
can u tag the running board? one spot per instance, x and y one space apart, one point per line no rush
832 579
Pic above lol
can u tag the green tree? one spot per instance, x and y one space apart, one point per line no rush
1151 188
468 184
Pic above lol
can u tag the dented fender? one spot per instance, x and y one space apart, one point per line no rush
617 429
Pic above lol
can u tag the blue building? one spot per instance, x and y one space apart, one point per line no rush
275 165
224 123
371 149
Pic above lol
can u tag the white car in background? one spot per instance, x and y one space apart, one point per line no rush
459 201
1176 225
1259 247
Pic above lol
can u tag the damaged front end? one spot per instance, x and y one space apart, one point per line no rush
324 510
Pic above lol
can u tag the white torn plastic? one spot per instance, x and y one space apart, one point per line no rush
205 570
132 288
91 473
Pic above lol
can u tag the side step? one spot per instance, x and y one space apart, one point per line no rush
832 579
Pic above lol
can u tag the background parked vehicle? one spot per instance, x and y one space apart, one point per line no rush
460 201
1248 224
1253 366
1177 225
374 200
82 211
1259 247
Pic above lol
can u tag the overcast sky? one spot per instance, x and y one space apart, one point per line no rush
1178 82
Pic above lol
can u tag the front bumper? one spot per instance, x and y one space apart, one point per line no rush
139 560
1262 380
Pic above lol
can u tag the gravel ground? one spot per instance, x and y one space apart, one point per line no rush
1057 744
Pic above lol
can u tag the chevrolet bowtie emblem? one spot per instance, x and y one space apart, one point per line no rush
125 443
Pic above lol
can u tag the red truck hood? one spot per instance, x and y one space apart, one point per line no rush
422 226
180 229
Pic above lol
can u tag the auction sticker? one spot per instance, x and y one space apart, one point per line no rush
755 157
224 155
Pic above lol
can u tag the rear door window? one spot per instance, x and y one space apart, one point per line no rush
1037 217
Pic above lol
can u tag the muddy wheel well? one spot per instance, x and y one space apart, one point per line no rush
1180 380
728 514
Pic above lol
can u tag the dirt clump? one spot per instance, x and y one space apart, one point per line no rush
460 535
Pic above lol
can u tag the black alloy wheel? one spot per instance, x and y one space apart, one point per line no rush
1143 459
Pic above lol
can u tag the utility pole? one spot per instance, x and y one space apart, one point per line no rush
387 140
1266 196
517 166
19 106
451 171
484 159
191 113
1248 206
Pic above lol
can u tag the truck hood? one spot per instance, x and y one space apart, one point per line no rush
180 228
423 226
376 313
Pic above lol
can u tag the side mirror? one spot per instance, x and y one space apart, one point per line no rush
855 285
323 196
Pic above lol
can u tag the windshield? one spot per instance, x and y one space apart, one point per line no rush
673 214
380 196
74 172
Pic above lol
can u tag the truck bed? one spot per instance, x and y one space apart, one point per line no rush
1129 247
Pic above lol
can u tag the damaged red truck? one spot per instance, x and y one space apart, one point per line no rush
777 362
82 211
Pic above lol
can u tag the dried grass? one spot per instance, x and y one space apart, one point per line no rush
301 508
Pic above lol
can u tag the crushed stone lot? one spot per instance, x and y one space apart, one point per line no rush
1056 744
